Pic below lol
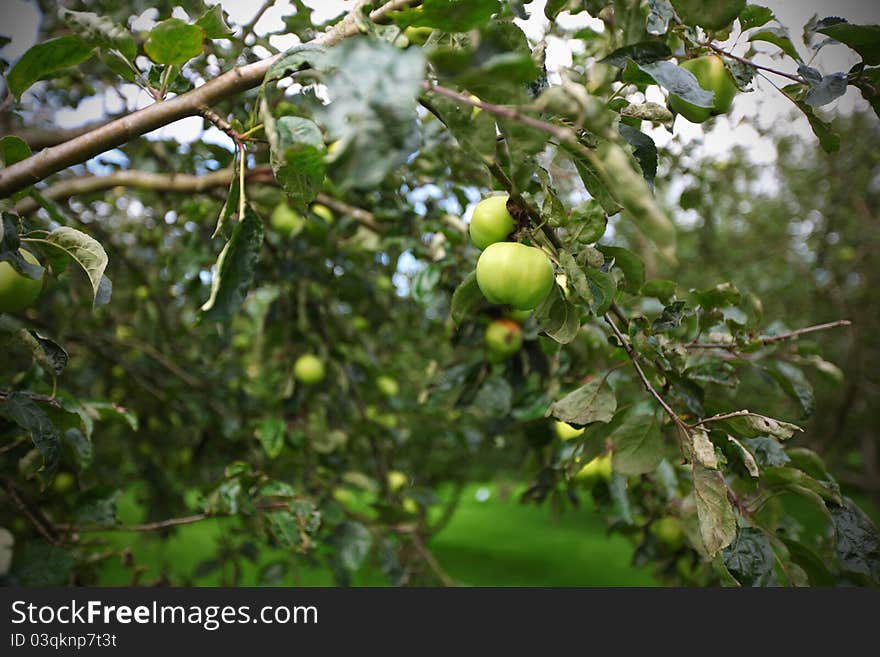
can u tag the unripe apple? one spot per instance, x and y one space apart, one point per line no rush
18 291
503 338
285 220
565 431
514 274
713 76
387 386
410 506
668 532
323 212
417 35
491 222
598 468
396 480
308 369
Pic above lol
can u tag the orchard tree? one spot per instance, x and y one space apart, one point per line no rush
302 332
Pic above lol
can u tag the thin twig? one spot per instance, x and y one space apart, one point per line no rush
431 560
770 339
748 62
634 357
724 416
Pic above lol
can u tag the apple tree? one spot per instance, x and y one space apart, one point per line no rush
287 323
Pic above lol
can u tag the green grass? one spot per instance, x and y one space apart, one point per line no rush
497 542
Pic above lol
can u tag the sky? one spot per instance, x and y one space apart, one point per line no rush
765 105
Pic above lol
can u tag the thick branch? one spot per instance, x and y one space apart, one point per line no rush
116 133
179 182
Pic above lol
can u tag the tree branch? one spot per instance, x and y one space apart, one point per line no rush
116 133
634 357
748 62
770 339
180 182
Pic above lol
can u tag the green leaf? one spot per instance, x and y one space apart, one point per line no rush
660 289
270 432
81 448
558 317
754 16
638 445
587 223
593 182
352 542
794 480
449 15
578 287
792 380
670 318
714 512
85 251
864 39
640 53
44 59
828 139
174 42
750 558
767 451
494 399
25 412
603 288
231 205
13 149
213 23
632 191
632 266
296 154
720 296
235 268
827 89
644 149
679 81
592 402
659 15
858 542
49 353
40 564
100 31
778 36
812 564
466 297
373 89
97 507
754 425
709 14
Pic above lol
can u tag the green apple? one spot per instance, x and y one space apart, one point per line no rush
64 481
417 35
514 274
322 211
598 468
713 76
410 505
308 369
286 221
668 532
491 222
396 480
565 431
18 291
503 338
520 316
387 386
